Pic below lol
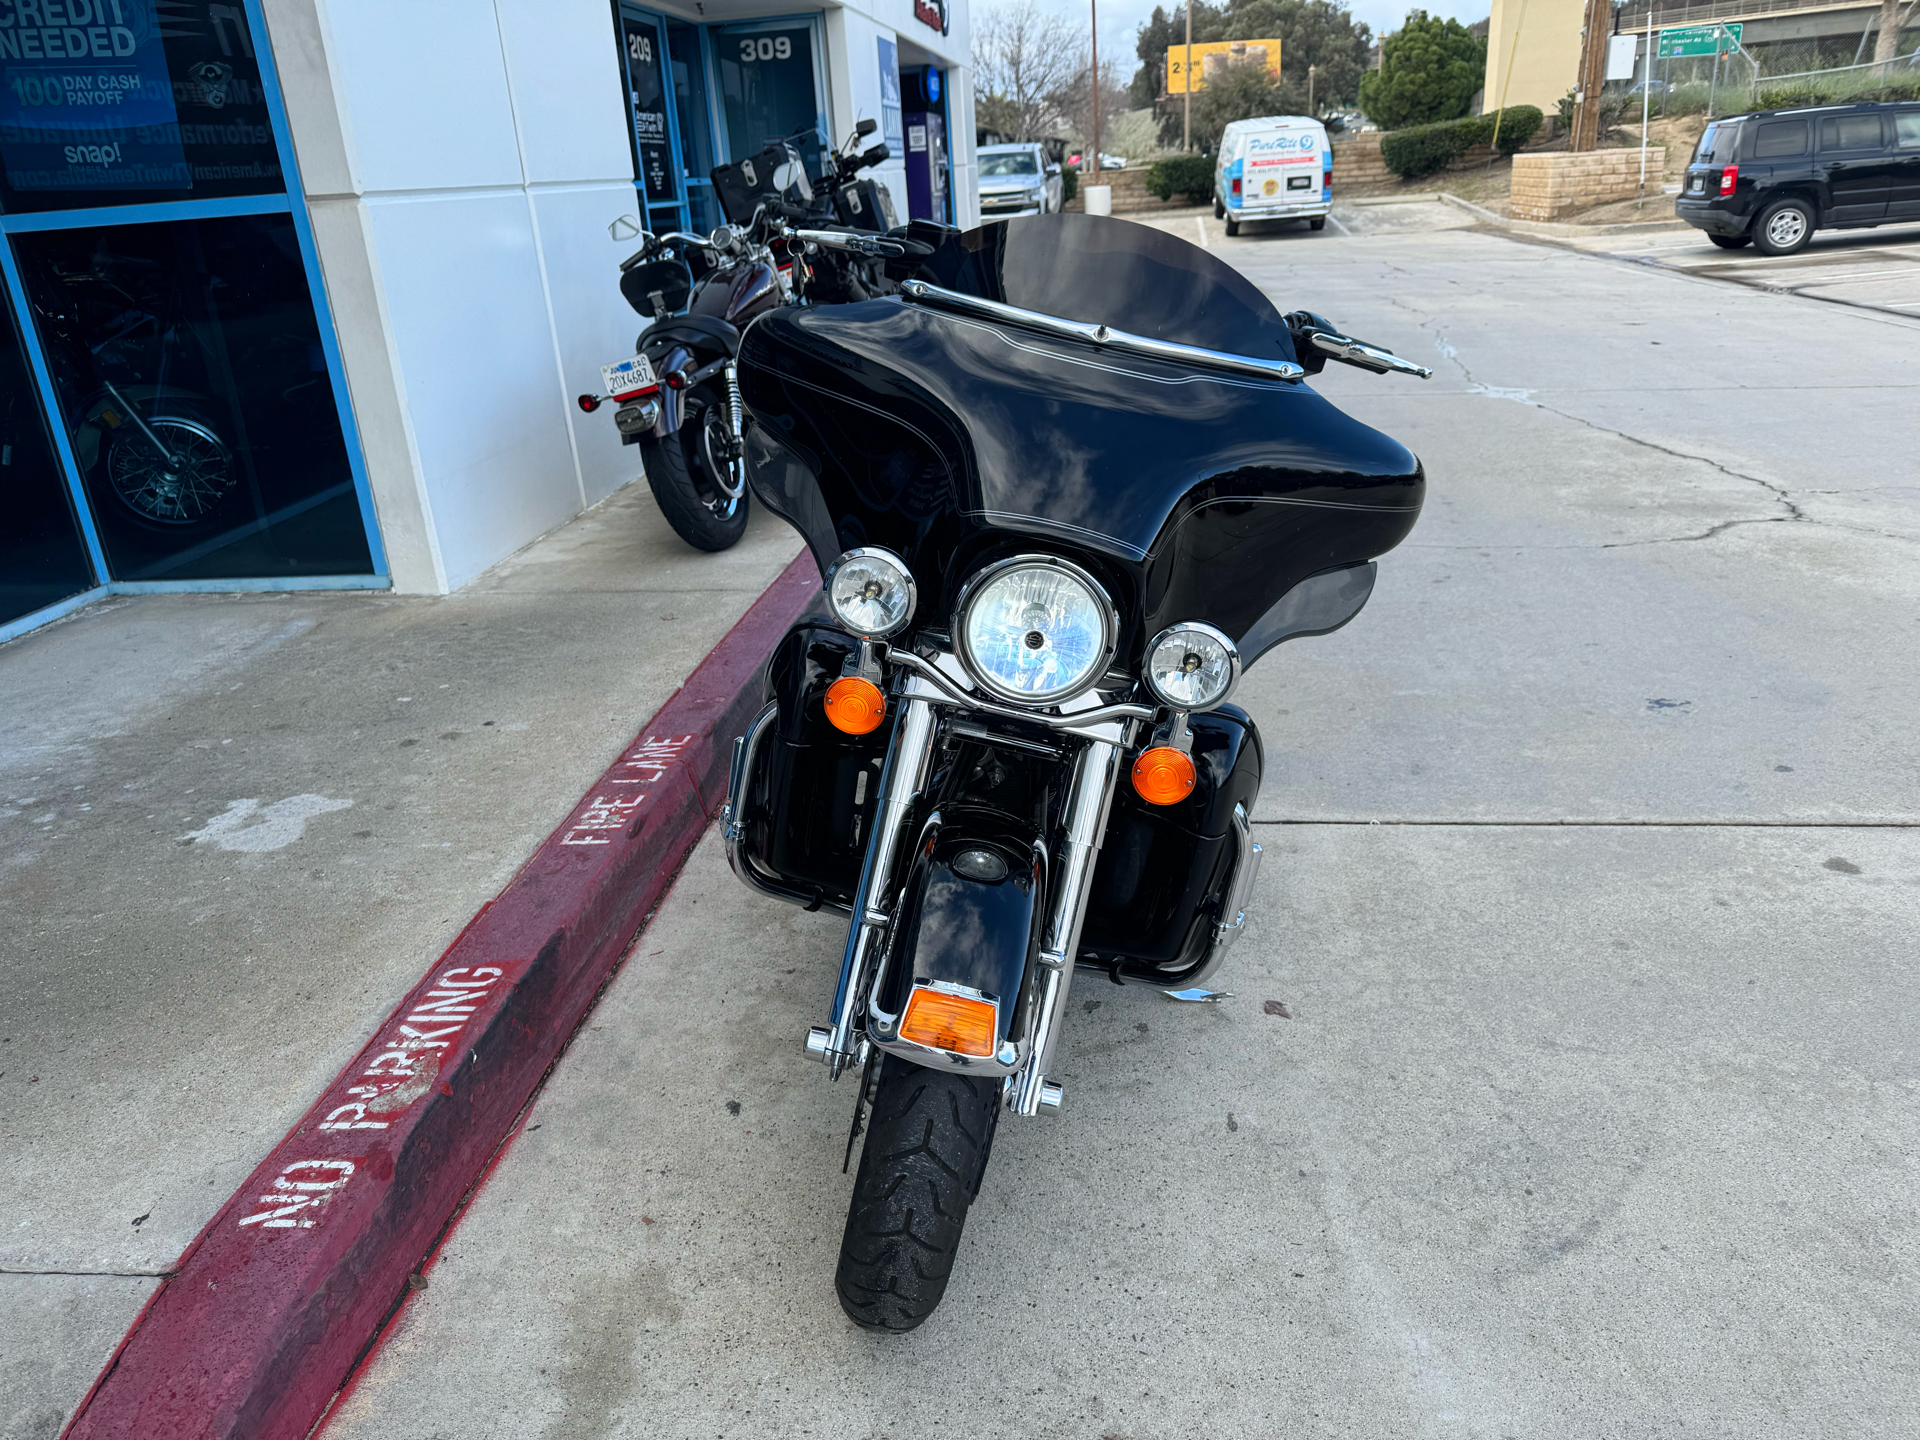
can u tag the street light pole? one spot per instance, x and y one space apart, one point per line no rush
1094 50
1187 84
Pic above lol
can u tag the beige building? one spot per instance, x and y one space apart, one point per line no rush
1533 52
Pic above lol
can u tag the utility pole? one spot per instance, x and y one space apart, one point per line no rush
1310 92
1587 88
1094 50
1187 84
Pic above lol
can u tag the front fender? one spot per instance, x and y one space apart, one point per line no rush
980 932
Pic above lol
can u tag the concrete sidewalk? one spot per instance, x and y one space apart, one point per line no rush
1586 1101
236 829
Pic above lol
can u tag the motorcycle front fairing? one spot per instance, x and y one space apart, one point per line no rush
942 437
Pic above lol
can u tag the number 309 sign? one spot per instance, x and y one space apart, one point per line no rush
766 47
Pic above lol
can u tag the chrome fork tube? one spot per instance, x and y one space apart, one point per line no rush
901 780
1095 774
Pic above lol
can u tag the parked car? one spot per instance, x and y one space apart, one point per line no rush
1018 180
1280 167
1774 177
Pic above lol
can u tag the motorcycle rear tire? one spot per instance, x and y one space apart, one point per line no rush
927 1144
677 475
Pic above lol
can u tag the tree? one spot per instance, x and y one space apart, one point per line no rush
1321 33
1074 101
1430 69
1024 60
1242 93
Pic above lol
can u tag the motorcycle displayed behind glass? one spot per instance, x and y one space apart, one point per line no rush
166 461
676 397
1062 490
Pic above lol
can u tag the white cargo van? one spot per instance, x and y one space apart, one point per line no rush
1280 167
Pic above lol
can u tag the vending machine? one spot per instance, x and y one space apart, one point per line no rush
923 120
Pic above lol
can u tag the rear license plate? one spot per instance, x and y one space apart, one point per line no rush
626 375
1696 185
1300 182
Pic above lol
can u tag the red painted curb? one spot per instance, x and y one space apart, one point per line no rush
278 1296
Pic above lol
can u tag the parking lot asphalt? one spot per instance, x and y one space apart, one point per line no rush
235 831
1569 1083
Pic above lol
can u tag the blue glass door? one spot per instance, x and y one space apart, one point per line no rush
652 124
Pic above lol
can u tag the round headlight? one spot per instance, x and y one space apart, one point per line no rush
870 592
1035 630
1192 666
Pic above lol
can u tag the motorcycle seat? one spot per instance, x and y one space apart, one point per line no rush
705 332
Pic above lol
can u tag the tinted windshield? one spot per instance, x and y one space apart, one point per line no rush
1115 273
1718 145
1022 163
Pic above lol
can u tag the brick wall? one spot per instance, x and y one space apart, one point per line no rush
1548 185
1130 192
1359 169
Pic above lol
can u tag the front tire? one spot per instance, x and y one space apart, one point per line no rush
682 471
1220 210
920 1169
1730 242
1784 227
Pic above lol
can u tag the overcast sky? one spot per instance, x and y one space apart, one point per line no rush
1121 18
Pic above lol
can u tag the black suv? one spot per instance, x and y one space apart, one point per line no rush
1775 176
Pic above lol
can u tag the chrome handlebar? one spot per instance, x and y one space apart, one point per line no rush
1350 351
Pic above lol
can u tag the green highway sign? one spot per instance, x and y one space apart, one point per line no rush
1700 40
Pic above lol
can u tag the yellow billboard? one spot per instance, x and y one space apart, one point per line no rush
1213 57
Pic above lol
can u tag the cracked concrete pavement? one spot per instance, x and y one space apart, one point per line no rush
234 830
1569 1088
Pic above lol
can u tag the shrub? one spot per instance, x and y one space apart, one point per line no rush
1518 125
1430 69
1070 184
1188 175
1424 149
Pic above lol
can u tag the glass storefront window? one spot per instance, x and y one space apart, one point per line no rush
189 367
120 102
42 558
767 85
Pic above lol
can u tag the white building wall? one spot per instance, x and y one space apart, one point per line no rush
462 160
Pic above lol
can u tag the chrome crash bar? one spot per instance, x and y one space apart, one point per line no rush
1098 335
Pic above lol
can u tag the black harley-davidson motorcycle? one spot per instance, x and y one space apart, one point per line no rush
1061 489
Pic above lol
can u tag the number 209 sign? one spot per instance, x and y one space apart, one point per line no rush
766 47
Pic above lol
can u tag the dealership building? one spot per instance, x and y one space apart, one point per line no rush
298 293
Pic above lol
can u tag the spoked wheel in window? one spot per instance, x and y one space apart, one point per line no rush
698 476
171 470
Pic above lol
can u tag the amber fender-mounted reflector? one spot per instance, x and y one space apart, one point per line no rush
855 706
1164 775
949 1023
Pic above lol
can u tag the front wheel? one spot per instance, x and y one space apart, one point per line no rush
691 473
1220 210
920 1169
1730 242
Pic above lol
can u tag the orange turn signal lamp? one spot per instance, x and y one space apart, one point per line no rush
947 1022
855 705
1164 775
